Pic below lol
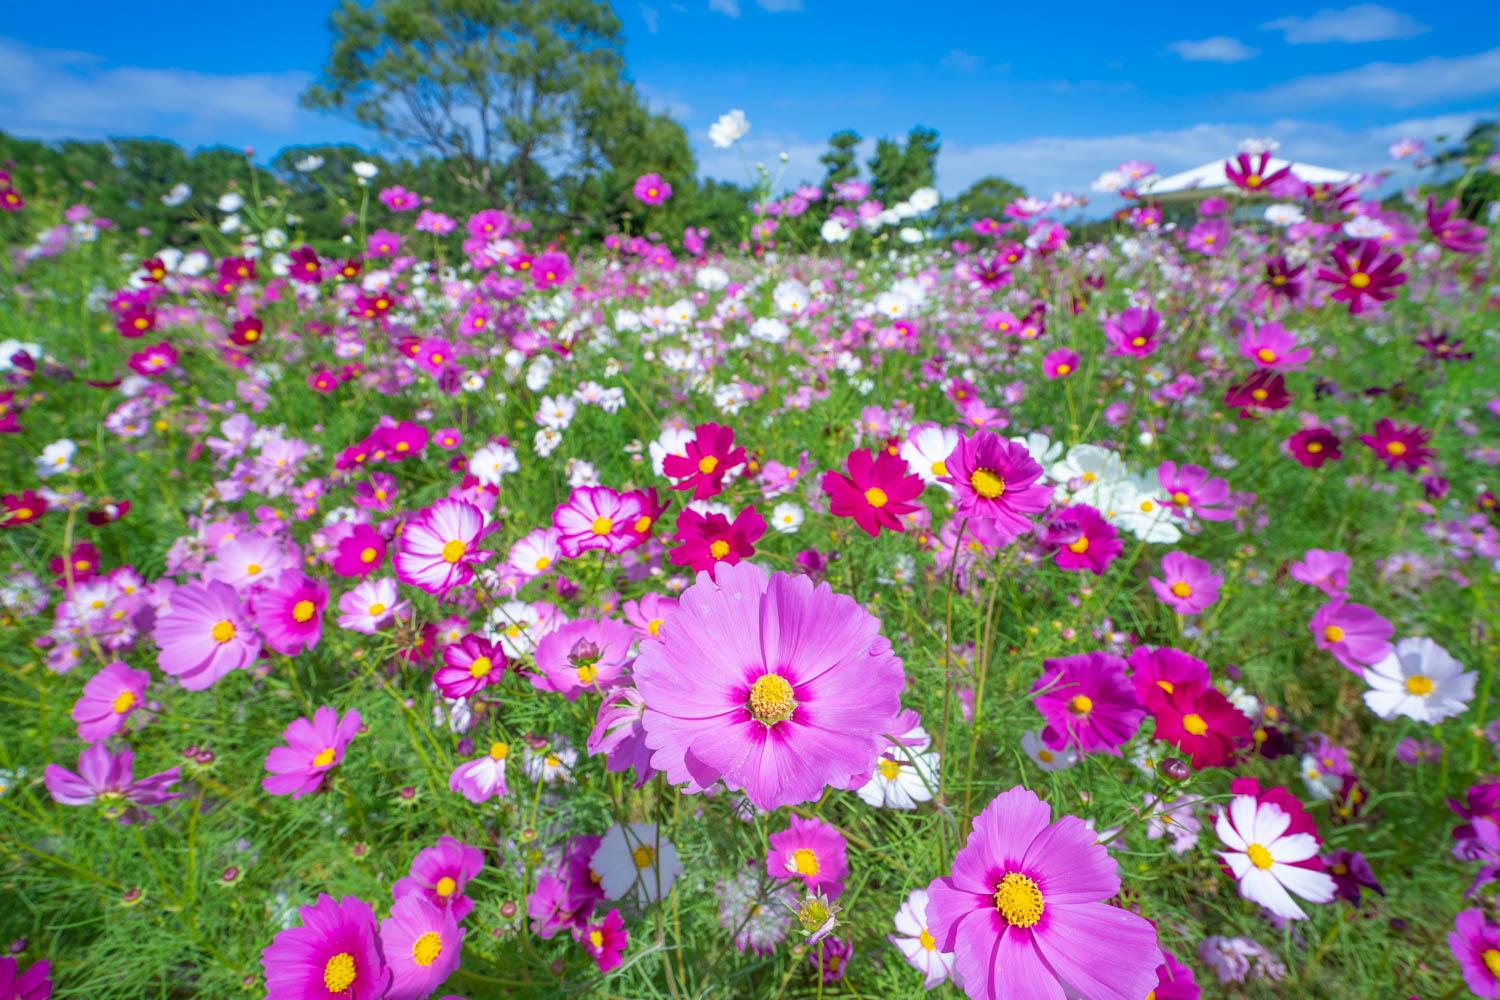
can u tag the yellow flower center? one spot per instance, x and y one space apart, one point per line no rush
1064 368
1396 448
368 556
1266 354
454 551
1180 589
587 673
596 938
1166 686
1259 395
1253 181
1081 704
303 611
1180 498
1359 279
602 526
338 973
987 484
542 563
643 856
1259 856
426 949
1080 546
124 702
223 631
481 667
642 524
889 769
771 699
324 757
654 626
253 569
875 497
1333 633
376 609
805 862
1194 723
1419 685
445 887
927 940
1138 341
1491 959
499 751
719 549
1019 900
707 464
1045 756
1313 447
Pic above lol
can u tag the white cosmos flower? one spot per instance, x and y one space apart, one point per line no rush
1320 784
791 297
1086 466
924 199
230 202
56 458
556 412
834 231
910 235
1420 680
1109 182
711 279
914 940
901 779
180 193
1043 449
1133 505
1284 215
926 450
550 766
1362 227
636 856
1261 856
892 304
492 462
673 441
309 163
787 518
770 329
364 169
1044 756
729 129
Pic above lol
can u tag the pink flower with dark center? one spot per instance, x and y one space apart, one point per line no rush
1314 446
707 541
1361 272
1253 172
313 748
1451 230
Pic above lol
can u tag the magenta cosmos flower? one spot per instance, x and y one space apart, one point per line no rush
1024 910
33 984
606 941
707 541
1361 273
650 189
813 852
1357 636
470 665
109 779
1191 489
1133 333
1313 446
1326 570
1451 230
312 750
1271 345
422 944
1060 363
597 517
1475 942
440 545
1088 703
585 655
772 685
108 699
705 461
1188 585
876 493
290 613
1081 539
204 635
482 778
996 478
1403 445
334 955
439 874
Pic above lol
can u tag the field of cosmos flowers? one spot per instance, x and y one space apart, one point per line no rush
470 614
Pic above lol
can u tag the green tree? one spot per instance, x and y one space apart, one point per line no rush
897 169
494 87
840 162
985 198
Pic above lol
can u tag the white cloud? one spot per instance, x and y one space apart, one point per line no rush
1402 85
729 8
54 93
1365 22
960 61
778 6
1219 48
651 16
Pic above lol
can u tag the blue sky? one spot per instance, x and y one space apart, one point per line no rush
1045 94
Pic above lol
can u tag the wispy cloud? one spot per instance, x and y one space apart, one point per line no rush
55 93
960 61
1401 85
729 8
1219 48
651 16
778 6
1365 22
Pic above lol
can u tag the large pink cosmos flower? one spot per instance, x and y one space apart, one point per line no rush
440 545
109 779
290 613
335 953
597 517
313 749
204 634
107 701
1024 914
777 687
422 945
997 479
875 493
1088 703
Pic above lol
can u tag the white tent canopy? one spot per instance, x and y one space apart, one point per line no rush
1209 179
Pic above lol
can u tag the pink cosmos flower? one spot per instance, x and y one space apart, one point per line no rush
1088 703
370 605
482 778
1024 910
1451 230
1133 333
1256 174
1191 489
469 666
647 614
204 634
1174 981
1357 636
1475 943
1328 571
812 851
440 546
33 984
1081 539
422 945
707 541
1361 272
334 953
596 517
439 873
1060 363
108 699
707 458
1313 446
1403 445
584 655
359 553
997 479
876 493
109 779
312 750
290 614
377 492
606 941
620 734
1189 586
777 687
1271 345
650 189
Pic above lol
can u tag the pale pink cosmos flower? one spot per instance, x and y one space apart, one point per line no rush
313 748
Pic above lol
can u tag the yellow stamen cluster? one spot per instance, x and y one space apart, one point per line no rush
1019 900
772 699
